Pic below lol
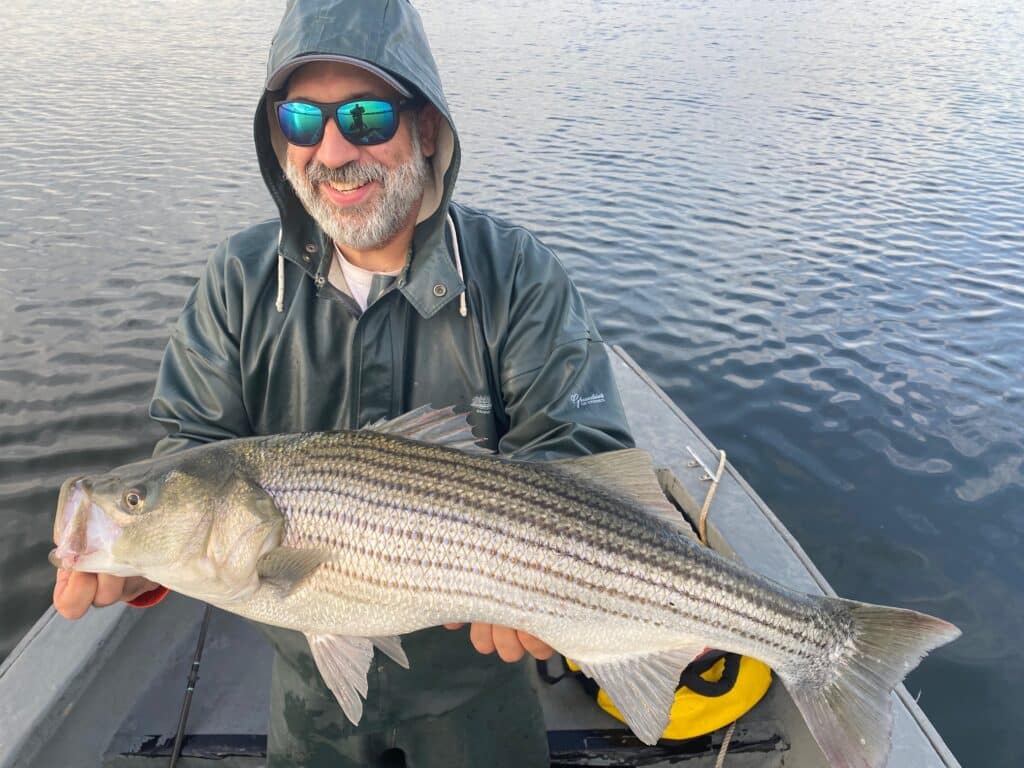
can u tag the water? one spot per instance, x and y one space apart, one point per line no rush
805 220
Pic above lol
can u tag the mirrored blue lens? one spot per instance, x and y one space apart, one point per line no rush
301 124
367 121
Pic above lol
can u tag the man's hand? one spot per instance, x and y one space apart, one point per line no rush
76 591
511 644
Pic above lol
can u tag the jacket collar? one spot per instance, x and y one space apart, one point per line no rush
429 281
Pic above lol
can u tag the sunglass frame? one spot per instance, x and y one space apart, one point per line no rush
331 108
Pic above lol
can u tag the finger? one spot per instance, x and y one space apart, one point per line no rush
458 625
60 585
506 641
480 636
108 590
535 646
77 595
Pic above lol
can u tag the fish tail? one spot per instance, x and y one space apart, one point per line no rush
850 712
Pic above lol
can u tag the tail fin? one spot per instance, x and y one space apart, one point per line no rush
850 715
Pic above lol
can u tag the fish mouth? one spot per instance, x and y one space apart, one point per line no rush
81 528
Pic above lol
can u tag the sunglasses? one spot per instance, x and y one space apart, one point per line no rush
363 122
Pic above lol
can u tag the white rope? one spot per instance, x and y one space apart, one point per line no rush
702 526
458 265
703 531
725 745
280 273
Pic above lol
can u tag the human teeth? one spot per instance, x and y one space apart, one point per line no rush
344 187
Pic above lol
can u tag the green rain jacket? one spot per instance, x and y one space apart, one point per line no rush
270 341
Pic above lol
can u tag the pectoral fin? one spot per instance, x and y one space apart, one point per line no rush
289 568
344 663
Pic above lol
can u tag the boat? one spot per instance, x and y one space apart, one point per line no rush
107 690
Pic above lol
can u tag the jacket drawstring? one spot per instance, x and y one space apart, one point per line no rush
458 265
280 274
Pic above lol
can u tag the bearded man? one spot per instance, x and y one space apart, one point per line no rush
371 294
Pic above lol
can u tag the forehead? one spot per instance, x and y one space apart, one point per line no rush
334 81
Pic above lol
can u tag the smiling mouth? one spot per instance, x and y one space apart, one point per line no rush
340 187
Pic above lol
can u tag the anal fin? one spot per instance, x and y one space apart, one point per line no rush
642 686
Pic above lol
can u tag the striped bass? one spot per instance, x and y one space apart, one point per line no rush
356 537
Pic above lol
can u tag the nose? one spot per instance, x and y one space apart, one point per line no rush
335 150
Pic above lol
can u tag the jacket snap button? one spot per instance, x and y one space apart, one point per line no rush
440 290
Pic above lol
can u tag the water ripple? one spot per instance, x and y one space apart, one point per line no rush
806 221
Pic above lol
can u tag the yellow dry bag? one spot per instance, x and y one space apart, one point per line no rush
714 690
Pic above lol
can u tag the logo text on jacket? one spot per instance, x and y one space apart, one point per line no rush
581 401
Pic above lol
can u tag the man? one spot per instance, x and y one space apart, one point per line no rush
373 294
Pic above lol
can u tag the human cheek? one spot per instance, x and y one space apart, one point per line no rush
299 157
390 155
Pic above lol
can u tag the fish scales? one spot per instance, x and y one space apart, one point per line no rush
616 532
488 468
554 503
404 476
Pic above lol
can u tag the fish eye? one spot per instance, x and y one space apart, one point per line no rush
134 498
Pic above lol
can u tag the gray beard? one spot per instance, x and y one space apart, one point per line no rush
376 222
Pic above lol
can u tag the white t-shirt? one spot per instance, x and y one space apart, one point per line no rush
358 280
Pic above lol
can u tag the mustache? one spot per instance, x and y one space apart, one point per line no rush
350 173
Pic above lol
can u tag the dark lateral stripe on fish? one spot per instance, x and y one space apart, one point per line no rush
602 591
617 535
547 497
797 630
405 459
356 576
552 574
420 476
550 490
393 559
449 514
730 611
602 607
543 479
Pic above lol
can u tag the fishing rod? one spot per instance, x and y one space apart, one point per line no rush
193 677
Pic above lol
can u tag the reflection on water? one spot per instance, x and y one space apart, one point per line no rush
806 221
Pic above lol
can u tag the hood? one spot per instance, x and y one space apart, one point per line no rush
388 34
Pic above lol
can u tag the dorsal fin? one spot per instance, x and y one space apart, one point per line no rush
630 473
431 425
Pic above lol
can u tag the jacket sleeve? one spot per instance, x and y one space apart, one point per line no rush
198 395
557 384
